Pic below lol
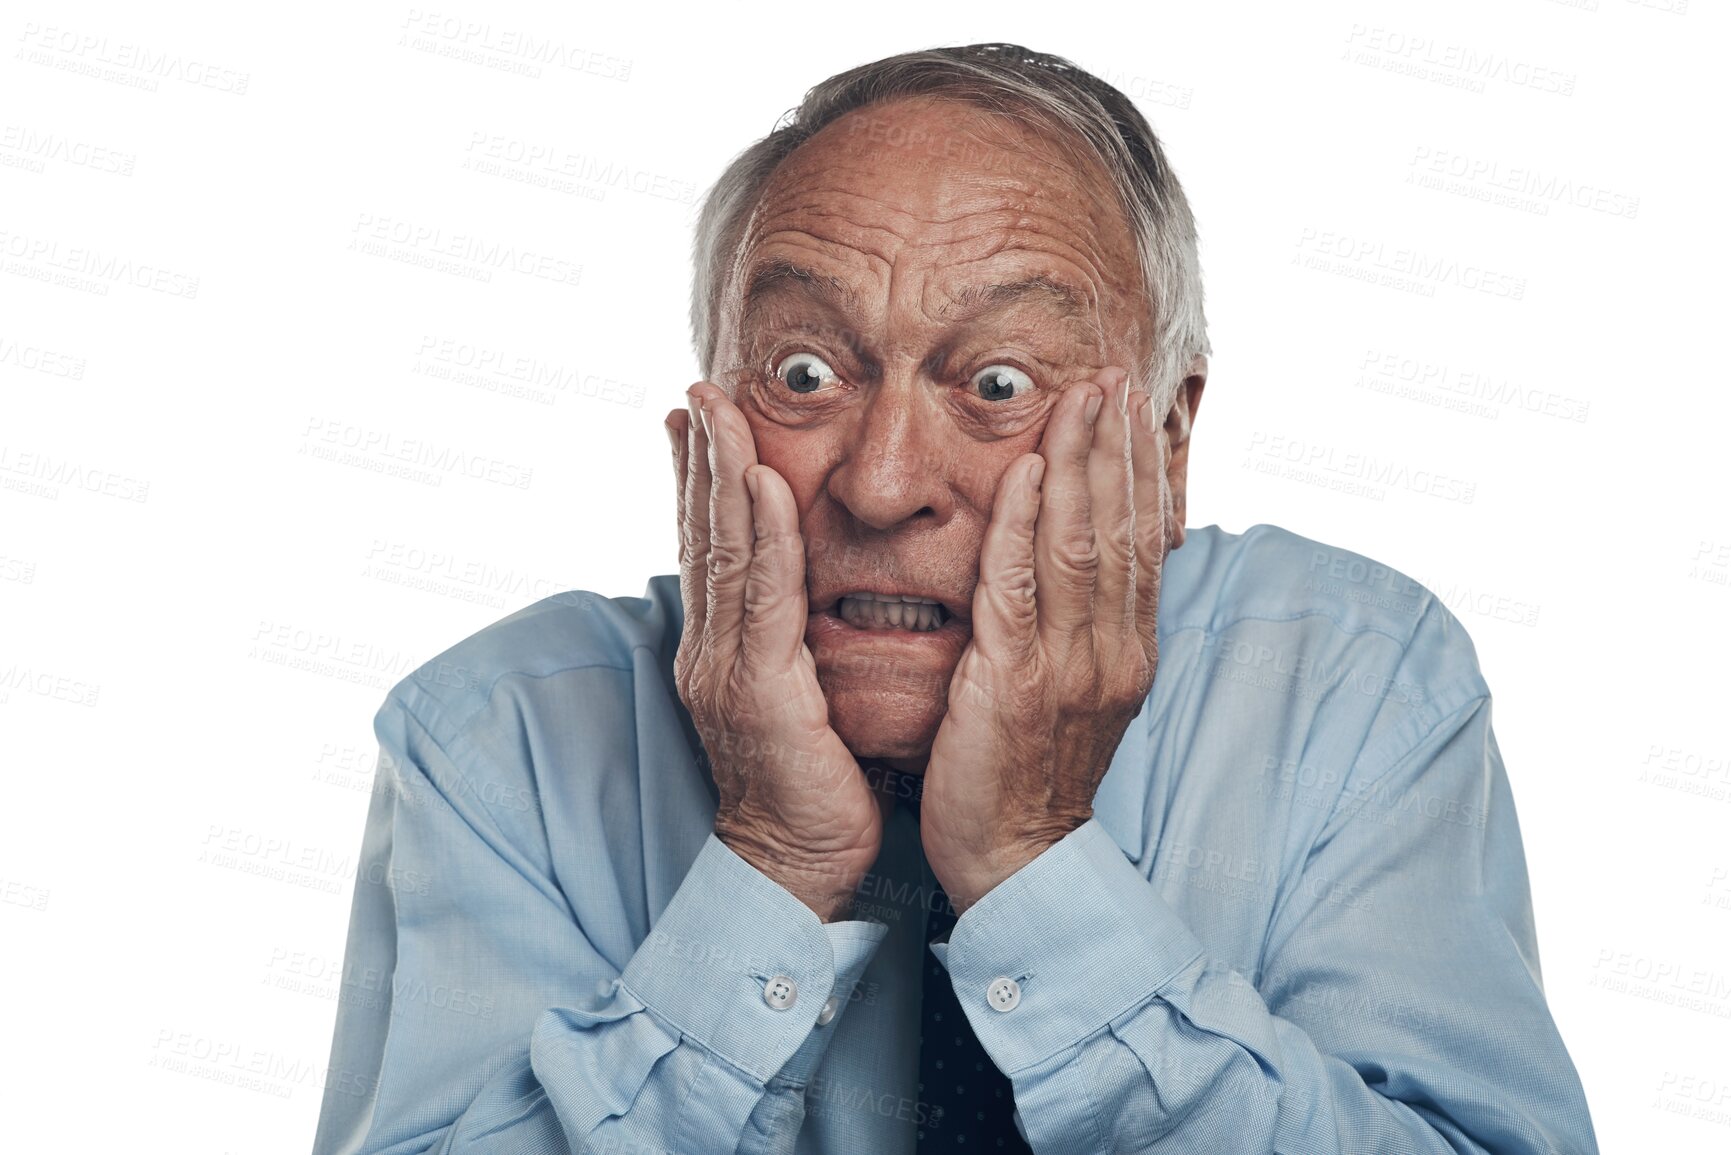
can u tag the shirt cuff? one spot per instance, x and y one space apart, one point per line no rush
741 966
1081 935
854 944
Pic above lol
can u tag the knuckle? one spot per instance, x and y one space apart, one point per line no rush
1135 674
1123 697
688 696
1025 697
726 561
1076 555
685 665
1013 586
759 602
738 684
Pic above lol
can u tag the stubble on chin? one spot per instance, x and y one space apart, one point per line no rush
885 725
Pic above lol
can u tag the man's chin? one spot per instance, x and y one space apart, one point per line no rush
876 724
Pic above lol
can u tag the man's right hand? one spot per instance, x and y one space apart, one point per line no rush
793 801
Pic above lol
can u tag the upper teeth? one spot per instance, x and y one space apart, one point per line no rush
867 597
896 611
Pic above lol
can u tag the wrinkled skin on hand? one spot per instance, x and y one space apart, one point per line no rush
1065 645
793 801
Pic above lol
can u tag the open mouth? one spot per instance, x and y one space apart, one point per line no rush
869 611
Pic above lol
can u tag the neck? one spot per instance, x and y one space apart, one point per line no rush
915 766
893 779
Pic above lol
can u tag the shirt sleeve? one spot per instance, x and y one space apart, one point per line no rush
477 1016
1399 1006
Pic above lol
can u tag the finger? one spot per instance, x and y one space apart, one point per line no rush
1065 554
1006 619
731 451
694 574
773 632
1110 477
1153 498
673 423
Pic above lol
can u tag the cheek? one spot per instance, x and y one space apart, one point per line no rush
980 469
803 457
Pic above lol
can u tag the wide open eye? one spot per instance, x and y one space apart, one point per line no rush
805 372
1001 382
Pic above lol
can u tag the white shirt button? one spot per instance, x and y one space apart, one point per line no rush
1003 994
830 1006
780 992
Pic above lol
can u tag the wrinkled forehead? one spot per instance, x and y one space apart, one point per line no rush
961 207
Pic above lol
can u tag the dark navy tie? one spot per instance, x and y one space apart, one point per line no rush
968 1100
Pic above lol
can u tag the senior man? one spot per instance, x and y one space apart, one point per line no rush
934 806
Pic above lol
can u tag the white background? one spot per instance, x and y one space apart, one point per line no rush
202 608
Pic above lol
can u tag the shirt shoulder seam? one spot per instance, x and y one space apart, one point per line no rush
415 695
1215 625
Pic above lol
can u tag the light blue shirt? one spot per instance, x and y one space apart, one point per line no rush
1299 920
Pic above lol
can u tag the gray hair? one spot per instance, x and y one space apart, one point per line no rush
1025 87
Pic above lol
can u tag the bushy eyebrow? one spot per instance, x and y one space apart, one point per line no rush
778 274
975 300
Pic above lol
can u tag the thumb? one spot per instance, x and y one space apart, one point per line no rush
676 440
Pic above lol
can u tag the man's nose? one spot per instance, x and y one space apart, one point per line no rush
899 461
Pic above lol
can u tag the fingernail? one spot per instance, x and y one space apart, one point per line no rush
1146 413
672 438
1036 473
1116 379
1093 409
703 416
751 484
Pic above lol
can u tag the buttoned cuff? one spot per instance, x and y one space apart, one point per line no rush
854 944
742 967
1081 938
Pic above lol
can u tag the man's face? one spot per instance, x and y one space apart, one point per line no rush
893 391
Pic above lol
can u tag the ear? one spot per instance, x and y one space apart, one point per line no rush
1179 421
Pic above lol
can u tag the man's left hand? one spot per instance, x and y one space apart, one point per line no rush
1064 644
